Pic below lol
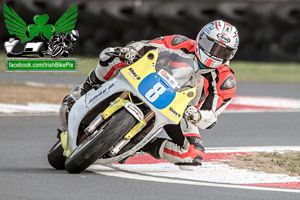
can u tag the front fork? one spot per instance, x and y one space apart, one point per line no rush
118 103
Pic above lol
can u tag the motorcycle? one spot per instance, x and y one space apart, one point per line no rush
113 121
59 46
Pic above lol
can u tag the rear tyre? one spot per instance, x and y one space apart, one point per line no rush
95 146
55 156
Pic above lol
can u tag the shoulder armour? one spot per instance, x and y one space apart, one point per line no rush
229 83
177 39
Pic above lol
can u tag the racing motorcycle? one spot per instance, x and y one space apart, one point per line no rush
59 45
113 121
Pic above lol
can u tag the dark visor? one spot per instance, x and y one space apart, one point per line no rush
214 48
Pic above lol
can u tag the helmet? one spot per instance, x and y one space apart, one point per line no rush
216 43
74 35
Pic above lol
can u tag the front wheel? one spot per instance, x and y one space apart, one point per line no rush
55 156
95 146
56 51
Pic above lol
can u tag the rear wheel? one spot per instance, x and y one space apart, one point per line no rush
98 144
55 156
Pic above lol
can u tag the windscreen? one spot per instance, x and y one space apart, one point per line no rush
177 70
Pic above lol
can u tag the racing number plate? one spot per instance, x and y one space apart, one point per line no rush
157 91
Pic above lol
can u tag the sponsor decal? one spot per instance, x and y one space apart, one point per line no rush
223 37
174 113
199 141
134 74
134 111
167 77
101 93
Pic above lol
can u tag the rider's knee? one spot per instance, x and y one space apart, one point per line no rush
196 142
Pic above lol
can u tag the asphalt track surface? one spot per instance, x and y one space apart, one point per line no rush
25 173
25 140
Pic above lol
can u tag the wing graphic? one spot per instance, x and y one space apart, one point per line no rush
15 24
67 21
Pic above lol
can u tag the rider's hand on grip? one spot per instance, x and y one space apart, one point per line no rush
192 114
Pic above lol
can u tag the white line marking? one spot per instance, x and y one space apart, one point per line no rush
29 108
38 84
104 170
39 108
267 101
258 111
251 149
214 174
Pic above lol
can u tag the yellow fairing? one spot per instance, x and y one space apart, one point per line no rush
116 105
66 145
176 109
135 73
137 128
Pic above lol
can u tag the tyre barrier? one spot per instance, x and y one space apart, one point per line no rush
269 31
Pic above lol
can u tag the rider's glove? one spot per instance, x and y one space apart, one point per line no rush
129 54
192 114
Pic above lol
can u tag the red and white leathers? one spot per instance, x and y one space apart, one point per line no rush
215 92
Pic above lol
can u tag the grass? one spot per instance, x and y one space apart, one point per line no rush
244 71
86 64
275 162
266 72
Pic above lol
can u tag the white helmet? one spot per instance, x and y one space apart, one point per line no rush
74 35
216 43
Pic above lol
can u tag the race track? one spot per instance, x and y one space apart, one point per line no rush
25 173
25 140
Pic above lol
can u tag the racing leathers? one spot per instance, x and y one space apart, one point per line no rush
215 91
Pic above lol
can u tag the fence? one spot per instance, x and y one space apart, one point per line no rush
268 30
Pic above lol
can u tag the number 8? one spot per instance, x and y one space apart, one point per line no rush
154 93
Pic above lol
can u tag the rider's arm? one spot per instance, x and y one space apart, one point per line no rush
107 68
110 65
221 90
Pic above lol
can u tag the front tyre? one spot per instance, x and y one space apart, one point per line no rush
55 156
95 146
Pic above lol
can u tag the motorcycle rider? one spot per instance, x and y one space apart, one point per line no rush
215 45
66 40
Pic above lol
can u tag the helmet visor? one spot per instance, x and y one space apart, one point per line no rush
214 48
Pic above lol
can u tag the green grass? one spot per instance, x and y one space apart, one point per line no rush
266 72
86 64
244 71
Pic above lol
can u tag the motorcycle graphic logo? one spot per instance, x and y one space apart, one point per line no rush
40 38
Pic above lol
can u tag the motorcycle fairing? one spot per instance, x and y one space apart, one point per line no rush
136 75
129 79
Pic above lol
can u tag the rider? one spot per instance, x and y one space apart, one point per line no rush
68 40
215 45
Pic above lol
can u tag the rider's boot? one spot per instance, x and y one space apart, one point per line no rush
180 155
